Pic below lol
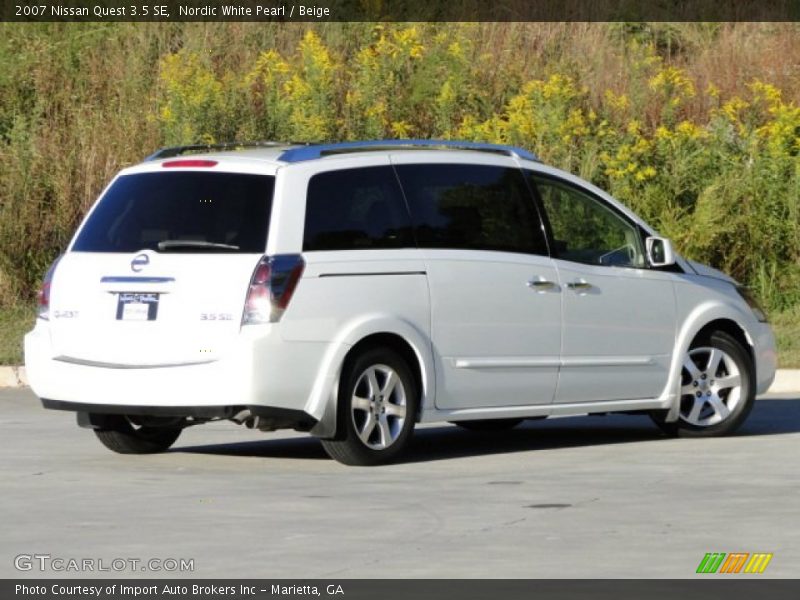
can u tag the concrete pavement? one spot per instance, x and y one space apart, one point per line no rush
577 497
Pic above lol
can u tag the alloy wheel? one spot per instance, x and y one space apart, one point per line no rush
711 386
378 406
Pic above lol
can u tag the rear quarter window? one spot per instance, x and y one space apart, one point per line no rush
472 207
356 209
181 212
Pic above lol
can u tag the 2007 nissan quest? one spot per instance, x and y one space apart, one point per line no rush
352 290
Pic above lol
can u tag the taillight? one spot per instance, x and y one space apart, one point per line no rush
43 295
271 288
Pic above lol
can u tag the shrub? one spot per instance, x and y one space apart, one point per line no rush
694 126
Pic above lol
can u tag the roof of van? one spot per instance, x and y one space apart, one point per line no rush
298 152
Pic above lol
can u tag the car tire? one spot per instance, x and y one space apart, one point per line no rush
377 408
718 389
125 437
488 425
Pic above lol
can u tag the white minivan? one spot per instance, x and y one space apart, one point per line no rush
352 290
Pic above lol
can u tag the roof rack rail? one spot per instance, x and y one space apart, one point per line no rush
172 151
312 151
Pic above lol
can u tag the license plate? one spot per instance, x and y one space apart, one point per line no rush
137 307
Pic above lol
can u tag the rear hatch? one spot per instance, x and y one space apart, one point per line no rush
159 272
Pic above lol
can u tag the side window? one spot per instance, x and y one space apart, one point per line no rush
475 207
356 209
587 231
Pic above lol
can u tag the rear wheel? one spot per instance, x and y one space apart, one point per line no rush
126 435
717 389
378 401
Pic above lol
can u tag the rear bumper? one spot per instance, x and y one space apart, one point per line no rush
259 371
201 412
96 416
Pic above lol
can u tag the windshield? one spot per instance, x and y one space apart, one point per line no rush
187 211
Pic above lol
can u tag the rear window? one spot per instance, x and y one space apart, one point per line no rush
181 212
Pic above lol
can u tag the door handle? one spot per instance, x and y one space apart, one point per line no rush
541 284
579 285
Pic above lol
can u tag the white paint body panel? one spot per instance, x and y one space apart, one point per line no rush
179 335
497 340
618 335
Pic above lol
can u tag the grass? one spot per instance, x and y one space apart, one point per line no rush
693 125
786 326
15 321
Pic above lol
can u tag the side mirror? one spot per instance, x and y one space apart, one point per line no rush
659 252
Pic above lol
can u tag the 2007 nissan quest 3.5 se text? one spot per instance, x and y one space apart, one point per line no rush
353 290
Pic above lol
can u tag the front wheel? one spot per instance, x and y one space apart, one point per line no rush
717 389
125 435
378 401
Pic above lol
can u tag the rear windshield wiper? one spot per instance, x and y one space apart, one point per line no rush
168 244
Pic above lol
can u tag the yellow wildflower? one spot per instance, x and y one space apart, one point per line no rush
400 129
673 83
616 102
733 107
